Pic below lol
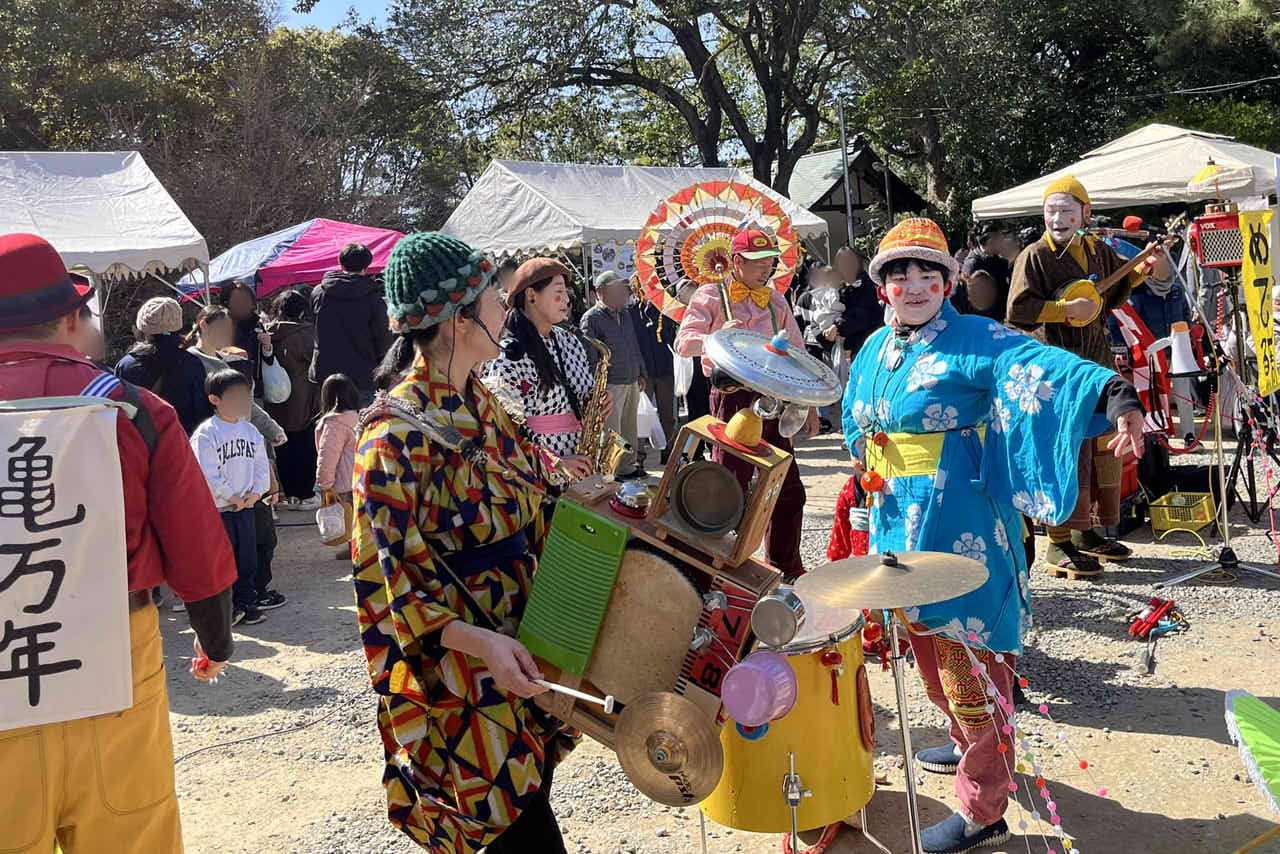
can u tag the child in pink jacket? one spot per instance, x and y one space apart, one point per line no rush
336 440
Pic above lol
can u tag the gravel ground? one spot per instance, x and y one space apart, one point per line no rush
1156 741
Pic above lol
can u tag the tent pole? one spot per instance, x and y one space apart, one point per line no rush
844 160
177 290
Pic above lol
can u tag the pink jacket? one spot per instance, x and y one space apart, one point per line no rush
336 451
705 314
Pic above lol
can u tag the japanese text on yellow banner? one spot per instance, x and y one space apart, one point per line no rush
1258 229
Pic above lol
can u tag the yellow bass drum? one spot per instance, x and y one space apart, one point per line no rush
830 731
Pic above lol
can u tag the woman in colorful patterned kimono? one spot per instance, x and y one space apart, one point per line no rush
960 425
449 515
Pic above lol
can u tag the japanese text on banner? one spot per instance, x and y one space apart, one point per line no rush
64 621
1258 230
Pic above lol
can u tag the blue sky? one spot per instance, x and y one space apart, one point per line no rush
331 13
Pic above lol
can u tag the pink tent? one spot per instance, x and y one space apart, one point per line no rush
298 255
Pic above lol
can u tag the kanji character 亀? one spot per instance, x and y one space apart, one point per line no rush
33 669
30 493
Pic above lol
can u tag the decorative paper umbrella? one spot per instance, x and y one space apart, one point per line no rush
690 234
1215 180
1255 727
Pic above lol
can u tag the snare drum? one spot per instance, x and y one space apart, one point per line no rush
830 732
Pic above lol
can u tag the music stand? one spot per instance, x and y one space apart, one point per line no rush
1227 559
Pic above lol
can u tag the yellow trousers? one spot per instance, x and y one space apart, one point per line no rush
102 784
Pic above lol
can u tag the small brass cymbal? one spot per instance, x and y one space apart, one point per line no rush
886 581
669 749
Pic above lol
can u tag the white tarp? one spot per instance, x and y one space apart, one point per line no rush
525 207
104 211
1150 166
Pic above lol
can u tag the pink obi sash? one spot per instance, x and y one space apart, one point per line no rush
555 425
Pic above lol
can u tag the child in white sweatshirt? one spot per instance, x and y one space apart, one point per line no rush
234 459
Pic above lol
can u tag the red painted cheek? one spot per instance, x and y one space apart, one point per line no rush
935 288
1072 220
559 299
897 291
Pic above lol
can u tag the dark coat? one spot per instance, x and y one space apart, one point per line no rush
162 367
351 331
657 331
863 312
294 345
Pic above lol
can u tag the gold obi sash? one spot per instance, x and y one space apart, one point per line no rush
910 454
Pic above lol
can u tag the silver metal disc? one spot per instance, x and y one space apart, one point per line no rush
792 375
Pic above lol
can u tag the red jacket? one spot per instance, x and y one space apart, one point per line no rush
173 532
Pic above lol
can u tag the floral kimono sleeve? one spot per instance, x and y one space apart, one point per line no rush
402 604
1043 402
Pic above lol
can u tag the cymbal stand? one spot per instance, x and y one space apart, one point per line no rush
898 660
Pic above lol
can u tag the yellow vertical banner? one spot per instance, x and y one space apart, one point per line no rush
1258 230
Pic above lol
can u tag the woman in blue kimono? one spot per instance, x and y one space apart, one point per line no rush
961 425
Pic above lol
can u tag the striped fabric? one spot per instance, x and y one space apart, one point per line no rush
101 386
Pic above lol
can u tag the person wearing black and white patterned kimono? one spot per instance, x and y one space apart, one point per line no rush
543 375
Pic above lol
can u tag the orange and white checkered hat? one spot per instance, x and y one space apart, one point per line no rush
917 237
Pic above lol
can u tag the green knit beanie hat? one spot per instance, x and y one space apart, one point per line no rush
429 276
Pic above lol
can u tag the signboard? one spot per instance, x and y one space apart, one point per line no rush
619 257
1259 234
64 613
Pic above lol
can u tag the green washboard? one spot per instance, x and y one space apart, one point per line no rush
571 588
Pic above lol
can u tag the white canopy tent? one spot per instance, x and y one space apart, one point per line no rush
1149 166
518 206
104 211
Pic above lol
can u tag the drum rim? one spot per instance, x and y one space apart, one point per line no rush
810 645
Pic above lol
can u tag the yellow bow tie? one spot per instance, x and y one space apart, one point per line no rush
760 296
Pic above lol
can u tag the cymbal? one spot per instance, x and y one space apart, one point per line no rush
669 748
886 581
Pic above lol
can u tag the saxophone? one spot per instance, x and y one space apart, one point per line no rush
604 447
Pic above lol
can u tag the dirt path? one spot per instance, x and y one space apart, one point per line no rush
1156 742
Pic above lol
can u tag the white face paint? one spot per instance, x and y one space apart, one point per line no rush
1063 216
915 295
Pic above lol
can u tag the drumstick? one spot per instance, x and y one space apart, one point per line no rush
607 702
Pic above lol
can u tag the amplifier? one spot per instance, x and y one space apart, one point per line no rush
1216 240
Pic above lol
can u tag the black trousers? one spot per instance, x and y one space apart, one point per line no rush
535 829
296 464
265 534
242 531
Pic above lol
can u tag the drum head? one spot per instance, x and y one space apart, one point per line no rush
706 496
647 628
823 626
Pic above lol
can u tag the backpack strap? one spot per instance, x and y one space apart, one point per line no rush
102 386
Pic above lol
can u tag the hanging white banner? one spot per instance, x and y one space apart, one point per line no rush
64 613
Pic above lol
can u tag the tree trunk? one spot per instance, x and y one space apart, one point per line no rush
937 182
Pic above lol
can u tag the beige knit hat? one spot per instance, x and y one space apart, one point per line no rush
159 316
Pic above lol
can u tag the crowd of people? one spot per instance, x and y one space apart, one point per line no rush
442 404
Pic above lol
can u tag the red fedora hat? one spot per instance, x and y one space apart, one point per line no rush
34 284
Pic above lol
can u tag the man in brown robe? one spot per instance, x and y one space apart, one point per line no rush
1063 255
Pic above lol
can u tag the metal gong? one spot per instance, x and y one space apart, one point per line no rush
707 497
773 367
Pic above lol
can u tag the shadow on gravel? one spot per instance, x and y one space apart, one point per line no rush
1104 825
887 821
240 693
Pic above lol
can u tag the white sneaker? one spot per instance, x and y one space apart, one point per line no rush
312 504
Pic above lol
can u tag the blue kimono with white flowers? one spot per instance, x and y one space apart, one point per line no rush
1038 404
